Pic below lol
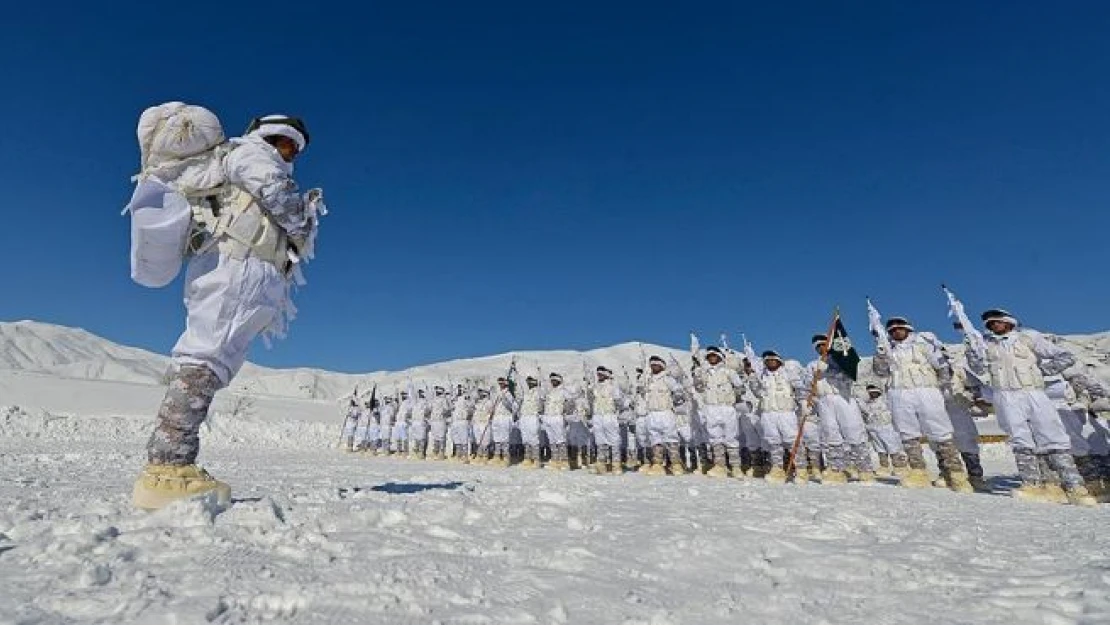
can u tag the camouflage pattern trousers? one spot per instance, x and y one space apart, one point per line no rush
176 436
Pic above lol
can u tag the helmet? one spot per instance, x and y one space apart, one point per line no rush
294 123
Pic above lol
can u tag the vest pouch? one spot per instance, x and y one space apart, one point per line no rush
160 223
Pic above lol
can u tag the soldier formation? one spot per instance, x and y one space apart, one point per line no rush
735 414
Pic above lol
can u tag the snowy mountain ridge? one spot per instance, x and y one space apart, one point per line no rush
36 347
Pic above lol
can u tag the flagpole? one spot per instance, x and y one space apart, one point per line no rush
812 399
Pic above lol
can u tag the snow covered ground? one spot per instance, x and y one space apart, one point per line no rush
318 536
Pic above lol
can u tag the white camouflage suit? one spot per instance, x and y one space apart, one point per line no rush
843 432
480 424
501 428
231 293
608 403
398 436
913 370
531 402
460 424
718 411
1016 363
439 412
880 425
778 393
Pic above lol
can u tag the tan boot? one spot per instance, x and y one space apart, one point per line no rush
161 484
834 477
917 478
1029 493
717 470
1055 493
867 477
1079 496
654 469
958 482
777 475
979 484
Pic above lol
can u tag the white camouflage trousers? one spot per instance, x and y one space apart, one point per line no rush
529 430
661 428
1030 419
841 421
722 425
555 426
502 427
229 301
918 411
607 431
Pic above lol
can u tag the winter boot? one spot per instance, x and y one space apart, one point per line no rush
834 472
1032 481
674 453
718 468
777 475
656 462
859 456
952 467
884 464
975 473
559 458
1089 470
1070 479
899 465
813 464
162 484
746 462
529 461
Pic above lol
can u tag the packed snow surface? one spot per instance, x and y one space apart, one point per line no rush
318 536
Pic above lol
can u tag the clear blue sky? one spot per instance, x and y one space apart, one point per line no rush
520 175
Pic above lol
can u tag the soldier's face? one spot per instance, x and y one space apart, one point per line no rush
713 359
1000 327
899 334
656 368
874 394
503 385
533 384
772 364
821 348
556 383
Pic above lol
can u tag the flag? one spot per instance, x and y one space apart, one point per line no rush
512 377
841 351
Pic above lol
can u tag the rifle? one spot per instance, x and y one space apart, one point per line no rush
875 325
974 337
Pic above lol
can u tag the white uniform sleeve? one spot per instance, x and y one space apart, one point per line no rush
256 166
1051 358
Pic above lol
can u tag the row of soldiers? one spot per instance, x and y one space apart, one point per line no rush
735 414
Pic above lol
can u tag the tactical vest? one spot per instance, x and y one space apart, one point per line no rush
556 403
777 392
530 404
658 394
232 221
910 367
718 387
604 404
1015 369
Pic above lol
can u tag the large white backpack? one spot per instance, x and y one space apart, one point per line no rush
182 148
